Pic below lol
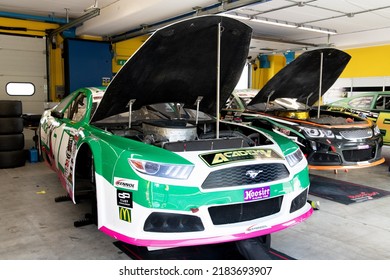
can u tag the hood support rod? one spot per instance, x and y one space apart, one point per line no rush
307 99
197 102
218 78
130 110
320 85
268 98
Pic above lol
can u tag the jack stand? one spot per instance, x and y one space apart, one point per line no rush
88 220
62 198
255 248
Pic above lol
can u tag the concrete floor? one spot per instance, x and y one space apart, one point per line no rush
35 227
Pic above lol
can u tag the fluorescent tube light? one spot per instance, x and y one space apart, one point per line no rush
317 29
274 22
238 16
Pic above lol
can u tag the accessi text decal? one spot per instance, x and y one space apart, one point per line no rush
213 159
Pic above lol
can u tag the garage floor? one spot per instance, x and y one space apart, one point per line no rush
35 227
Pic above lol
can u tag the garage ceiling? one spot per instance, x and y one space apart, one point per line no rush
356 23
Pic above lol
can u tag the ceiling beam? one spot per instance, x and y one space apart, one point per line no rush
74 23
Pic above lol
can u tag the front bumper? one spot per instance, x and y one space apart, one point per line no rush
325 154
155 227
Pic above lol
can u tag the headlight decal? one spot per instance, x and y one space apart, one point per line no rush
294 158
172 171
376 130
317 132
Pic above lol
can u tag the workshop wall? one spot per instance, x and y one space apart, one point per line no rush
365 62
368 62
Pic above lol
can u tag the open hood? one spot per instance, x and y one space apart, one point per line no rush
300 79
178 63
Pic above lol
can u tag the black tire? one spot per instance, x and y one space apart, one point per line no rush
11 142
256 248
12 159
11 125
10 108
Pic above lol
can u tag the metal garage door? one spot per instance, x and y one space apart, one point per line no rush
23 62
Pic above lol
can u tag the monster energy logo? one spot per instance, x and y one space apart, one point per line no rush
125 214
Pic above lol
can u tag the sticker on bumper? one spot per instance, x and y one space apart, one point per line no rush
125 214
124 199
124 183
257 193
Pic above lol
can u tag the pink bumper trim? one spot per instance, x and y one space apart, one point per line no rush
204 241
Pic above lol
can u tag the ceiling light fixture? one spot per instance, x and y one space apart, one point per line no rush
274 22
237 16
282 23
317 29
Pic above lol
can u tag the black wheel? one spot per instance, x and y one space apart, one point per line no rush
85 185
11 125
12 142
10 108
11 159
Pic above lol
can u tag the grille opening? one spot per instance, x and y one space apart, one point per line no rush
242 212
359 155
239 176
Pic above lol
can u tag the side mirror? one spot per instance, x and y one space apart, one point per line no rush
57 114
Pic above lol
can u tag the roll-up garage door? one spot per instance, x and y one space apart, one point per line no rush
23 65
23 75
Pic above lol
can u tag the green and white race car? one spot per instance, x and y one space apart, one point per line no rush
158 166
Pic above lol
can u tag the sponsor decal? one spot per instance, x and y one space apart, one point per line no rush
363 147
256 228
69 156
363 196
125 183
213 159
124 198
125 214
257 193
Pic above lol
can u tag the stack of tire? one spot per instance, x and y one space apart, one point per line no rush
12 152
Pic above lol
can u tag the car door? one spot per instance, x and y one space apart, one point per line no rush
65 124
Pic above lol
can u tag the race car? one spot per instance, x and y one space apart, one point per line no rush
286 105
374 106
160 169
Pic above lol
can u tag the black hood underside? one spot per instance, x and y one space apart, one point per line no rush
300 79
178 64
